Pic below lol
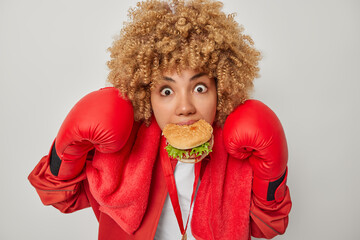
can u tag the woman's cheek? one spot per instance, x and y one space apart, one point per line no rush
208 106
161 110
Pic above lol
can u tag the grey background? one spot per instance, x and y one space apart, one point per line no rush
54 52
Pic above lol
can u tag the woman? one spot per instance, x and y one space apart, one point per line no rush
174 62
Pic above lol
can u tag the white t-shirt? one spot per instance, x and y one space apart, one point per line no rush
168 228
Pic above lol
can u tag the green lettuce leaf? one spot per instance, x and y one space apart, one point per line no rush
180 154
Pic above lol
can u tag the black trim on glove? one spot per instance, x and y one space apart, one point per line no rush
273 186
55 162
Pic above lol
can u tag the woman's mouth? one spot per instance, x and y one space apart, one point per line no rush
189 122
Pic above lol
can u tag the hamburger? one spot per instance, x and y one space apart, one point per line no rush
189 143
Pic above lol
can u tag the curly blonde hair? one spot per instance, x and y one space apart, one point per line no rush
196 34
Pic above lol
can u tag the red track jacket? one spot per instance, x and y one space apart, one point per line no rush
127 191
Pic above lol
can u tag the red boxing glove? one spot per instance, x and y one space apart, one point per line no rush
100 120
253 131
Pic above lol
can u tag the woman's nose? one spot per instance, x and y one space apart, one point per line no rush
185 105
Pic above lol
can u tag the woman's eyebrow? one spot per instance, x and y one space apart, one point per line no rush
169 79
191 79
197 76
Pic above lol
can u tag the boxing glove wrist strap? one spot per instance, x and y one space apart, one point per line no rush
65 169
270 189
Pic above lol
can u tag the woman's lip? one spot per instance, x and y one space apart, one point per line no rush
187 122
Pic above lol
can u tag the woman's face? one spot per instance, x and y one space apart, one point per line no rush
184 99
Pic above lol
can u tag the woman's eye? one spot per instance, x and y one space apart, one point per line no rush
166 91
200 88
